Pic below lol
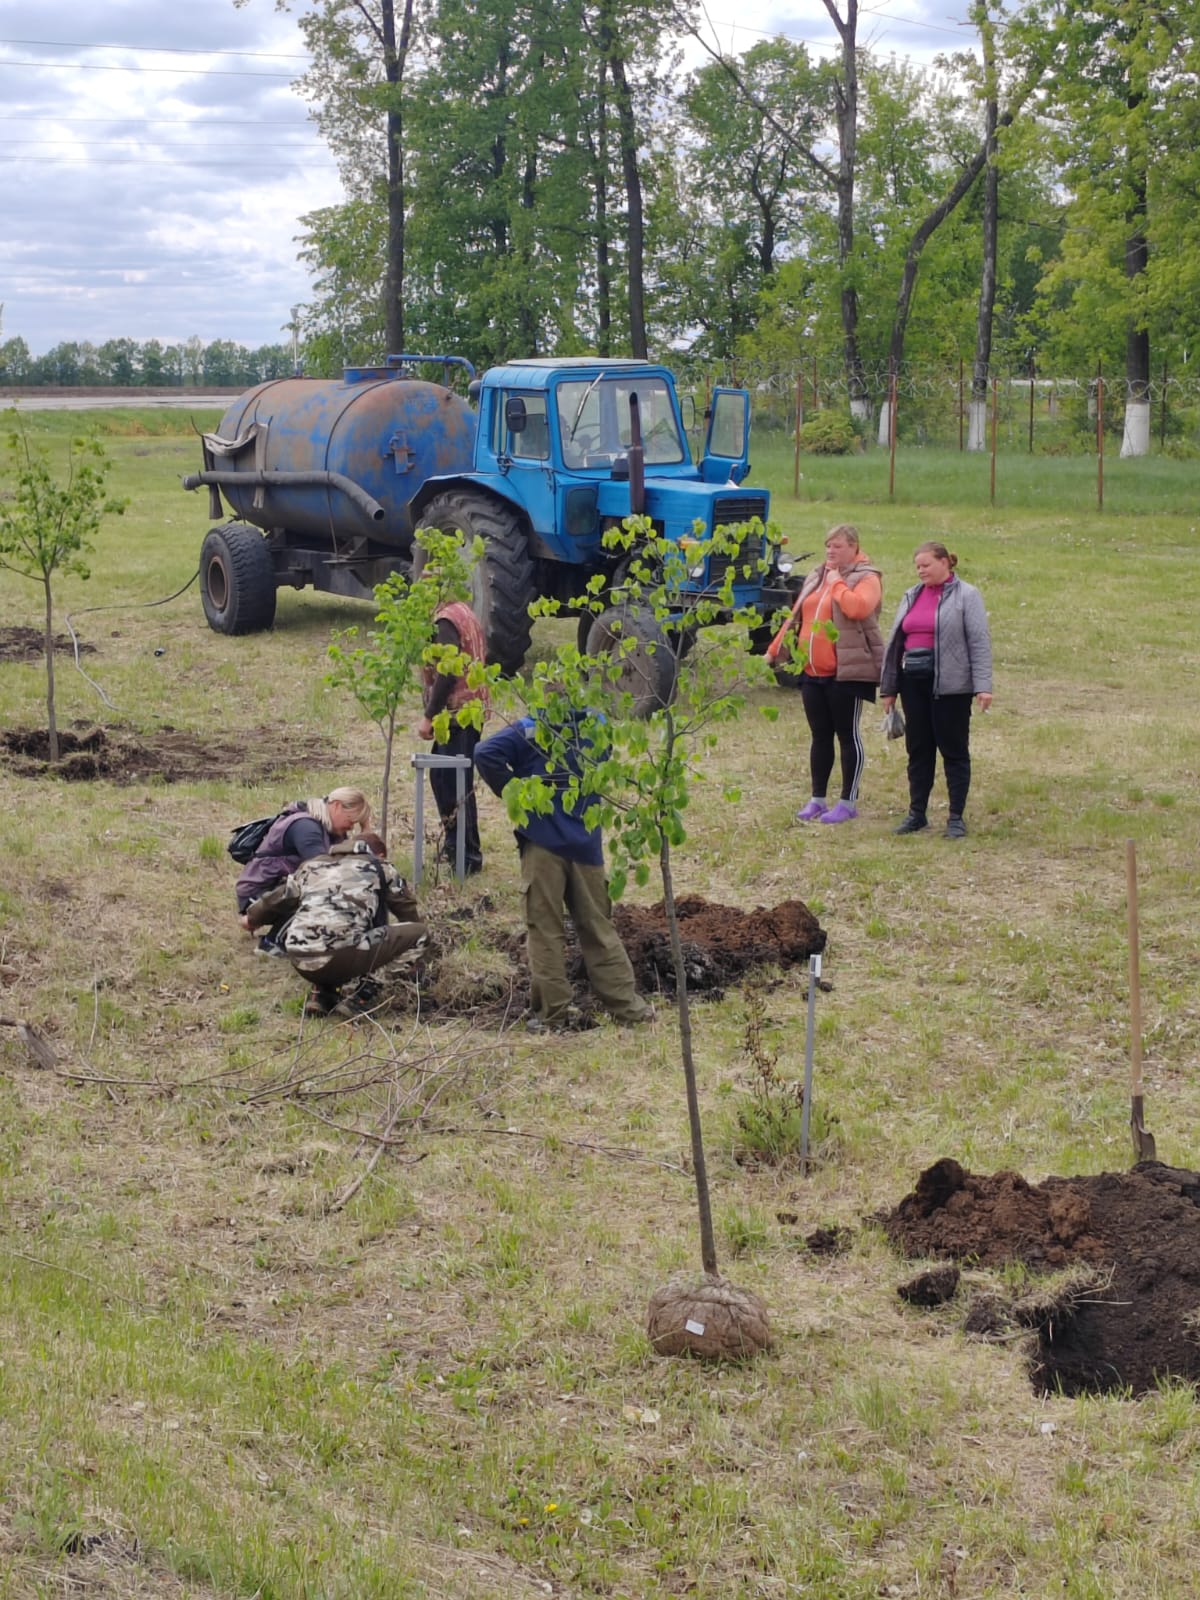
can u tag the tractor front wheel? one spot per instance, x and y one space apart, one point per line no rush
237 580
502 580
647 670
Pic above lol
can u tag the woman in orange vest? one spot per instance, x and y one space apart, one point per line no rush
843 597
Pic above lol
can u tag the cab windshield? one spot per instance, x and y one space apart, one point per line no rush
593 421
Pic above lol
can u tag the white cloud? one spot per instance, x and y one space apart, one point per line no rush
152 193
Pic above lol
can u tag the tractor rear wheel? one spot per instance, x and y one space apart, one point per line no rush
237 580
502 581
647 671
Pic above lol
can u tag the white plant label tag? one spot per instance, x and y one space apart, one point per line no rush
693 1327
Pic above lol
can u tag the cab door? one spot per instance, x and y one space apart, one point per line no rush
727 445
523 451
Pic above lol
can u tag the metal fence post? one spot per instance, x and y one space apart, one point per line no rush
460 766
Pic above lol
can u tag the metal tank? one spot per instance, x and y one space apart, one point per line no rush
319 457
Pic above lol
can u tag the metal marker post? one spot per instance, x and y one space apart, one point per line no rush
460 766
814 972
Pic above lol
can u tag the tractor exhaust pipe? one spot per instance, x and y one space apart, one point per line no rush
637 459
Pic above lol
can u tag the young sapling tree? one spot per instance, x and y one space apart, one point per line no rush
626 728
47 524
381 673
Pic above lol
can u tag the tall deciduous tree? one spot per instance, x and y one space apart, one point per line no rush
358 86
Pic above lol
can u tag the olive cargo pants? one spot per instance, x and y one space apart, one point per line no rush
381 947
550 883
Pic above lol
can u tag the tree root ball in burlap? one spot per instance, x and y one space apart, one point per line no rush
712 1319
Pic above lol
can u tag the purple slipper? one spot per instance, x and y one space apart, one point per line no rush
813 810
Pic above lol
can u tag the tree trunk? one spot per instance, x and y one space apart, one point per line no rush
51 719
634 208
1136 438
389 739
981 369
395 59
708 1243
948 204
603 263
846 111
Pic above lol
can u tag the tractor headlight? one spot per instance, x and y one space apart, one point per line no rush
697 572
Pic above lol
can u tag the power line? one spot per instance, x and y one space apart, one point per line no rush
294 145
191 72
159 49
169 122
140 161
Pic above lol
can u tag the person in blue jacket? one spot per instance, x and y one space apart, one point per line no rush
562 868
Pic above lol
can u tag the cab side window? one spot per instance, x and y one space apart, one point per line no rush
530 441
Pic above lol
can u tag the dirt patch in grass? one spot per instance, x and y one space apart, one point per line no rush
28 644
169 755
1134 1321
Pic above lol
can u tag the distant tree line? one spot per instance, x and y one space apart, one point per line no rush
130 364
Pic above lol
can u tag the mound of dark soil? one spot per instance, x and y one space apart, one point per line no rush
168 755
1138 1230
720 943
28 644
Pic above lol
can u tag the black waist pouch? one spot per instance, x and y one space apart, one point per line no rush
917 663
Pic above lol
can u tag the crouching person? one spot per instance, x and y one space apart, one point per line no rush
338 932
562 867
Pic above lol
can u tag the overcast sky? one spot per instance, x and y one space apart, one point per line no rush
155 161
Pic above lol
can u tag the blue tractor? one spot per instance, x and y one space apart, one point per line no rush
329 481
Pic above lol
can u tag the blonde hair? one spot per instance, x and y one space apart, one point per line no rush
355 802
846 531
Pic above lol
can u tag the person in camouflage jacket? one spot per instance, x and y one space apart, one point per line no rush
338 906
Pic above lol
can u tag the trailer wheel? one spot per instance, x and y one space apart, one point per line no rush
647 671
237 580
502 581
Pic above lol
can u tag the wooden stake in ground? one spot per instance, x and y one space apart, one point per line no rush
1143 1141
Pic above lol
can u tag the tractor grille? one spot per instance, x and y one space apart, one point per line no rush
728 514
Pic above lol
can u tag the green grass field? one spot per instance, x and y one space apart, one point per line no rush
218 1379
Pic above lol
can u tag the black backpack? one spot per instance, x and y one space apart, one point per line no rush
244 841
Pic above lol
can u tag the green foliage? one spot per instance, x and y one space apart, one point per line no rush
769 1118
828 433
631 775
381 673
48 522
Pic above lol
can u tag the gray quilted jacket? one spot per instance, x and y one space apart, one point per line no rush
962 644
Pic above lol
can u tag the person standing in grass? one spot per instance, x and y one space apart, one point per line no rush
938 657
842 597
456 626
562 868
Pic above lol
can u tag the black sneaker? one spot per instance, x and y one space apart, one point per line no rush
914 822
956 828
365 998
320 1001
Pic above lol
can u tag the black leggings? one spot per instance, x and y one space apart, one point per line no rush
833 710
444 783
936 725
